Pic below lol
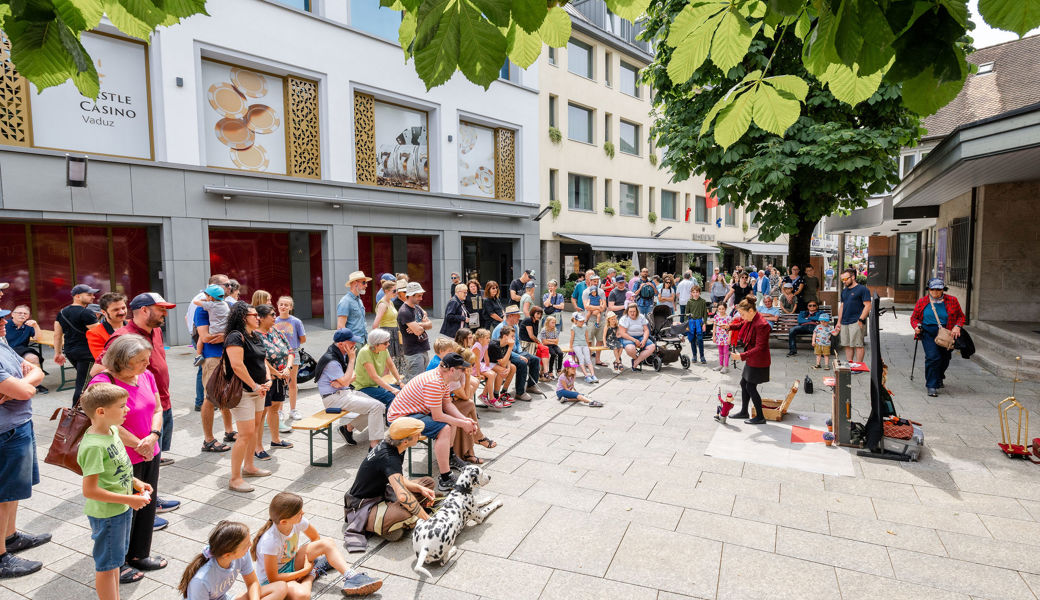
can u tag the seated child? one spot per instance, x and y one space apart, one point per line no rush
210 575
611 340
565 391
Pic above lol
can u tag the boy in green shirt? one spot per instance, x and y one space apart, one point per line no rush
697 312
108 484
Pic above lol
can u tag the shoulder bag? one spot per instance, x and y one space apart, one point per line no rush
64 449
224 390
944 338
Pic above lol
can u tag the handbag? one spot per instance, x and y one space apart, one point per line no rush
222 389
307 366
944 338
807 385
64 449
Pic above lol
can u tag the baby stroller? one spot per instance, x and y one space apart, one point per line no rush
668 337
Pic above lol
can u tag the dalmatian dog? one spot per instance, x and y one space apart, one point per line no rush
434 538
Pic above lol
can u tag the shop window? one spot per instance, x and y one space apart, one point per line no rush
629 138
376 255
391 146
579 58
700 212
317 276
262 122
629 79
668 205
629 199
907 265
259 260
369 16
579 123
486 161
579 192
731 215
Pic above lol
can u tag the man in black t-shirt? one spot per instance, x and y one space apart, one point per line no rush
518 286
70 335
413 323
381 494
618 298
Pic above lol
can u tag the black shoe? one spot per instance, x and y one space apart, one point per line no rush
456 462
12 566
198 408
755 421
940 386
445 484
165 462
347 435
739 415
42 390
792 354
23 541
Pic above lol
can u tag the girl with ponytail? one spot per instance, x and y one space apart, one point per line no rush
211 574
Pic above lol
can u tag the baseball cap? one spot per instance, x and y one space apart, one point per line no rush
4 313
413 289
387 277
789 284
620 279
94 308
825 317
402 285
936 283
530 273
343 335
530 284
217 291
569 364
406 427
454 359
149 299
84 289
579 317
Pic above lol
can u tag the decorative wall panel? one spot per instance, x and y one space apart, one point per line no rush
505 164
304 129
365 138
14 106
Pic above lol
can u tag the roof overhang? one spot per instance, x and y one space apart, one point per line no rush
880 217
620 243
759 248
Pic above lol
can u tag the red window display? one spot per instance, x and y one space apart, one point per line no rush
90 257
317 277
376 256
52 269
258 260
14 255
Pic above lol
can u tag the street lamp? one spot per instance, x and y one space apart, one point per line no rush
539 216
662 232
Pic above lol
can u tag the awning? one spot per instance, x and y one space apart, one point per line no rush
759 248
610 243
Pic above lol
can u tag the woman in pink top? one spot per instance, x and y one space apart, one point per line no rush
126 365
482 367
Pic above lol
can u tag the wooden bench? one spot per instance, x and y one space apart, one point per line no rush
785 323
45 337
319 426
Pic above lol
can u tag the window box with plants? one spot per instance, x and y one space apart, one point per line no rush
555 136
652 217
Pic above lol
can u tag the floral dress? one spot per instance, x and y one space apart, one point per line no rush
277 348
720 335
612 341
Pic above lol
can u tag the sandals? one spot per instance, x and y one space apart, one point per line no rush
128 574
231 437
281 444
487 442
214 446
243 489
473 459
151 563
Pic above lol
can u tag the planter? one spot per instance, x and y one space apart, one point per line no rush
828 442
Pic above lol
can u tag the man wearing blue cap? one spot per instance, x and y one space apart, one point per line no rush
70 335
936 309
334 374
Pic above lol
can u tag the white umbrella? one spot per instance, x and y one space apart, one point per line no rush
635 262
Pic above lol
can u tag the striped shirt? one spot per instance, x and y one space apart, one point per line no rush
419 396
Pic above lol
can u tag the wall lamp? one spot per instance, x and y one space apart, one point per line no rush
662 232
75 171
541 214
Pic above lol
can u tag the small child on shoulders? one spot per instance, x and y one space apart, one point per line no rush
217 309
821 341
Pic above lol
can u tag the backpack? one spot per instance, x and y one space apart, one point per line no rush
646 291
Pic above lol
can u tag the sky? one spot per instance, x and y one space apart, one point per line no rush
984 35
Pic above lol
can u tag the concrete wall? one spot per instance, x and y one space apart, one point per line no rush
1008 241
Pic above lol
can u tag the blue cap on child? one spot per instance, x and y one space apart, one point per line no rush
215 291
825 317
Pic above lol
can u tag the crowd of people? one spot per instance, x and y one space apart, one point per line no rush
405 383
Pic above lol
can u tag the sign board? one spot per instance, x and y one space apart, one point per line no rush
244 118
118 123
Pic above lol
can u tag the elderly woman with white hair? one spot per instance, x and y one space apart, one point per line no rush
372 367
126 365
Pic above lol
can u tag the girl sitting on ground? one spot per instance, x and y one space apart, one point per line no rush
565 391
212 573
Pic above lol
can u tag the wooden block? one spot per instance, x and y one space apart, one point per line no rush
44 337
321 420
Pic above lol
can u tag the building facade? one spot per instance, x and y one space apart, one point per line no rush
217 148
601 174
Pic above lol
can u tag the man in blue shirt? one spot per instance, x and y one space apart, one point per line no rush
853 308
335 374
526 365
350 312
769 312
576 295
807 321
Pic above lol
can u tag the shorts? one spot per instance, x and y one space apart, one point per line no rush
431 428
288 567
19 470
625 342
821 350
250 404
851 335
595 331
276 393
111 537
208 366
542 351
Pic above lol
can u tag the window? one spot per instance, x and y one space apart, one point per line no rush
629 138
579 58
552 55
629 79
402 152
553 176
306 5
484 171
553 101
607 184
509 72
731 215
608 67
579 124
907 265
369 16
753 218
909 160
700 210
960 248
630 199
579 192
668 205
650 197
607 127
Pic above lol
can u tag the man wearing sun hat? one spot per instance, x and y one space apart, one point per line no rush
370 506
350 312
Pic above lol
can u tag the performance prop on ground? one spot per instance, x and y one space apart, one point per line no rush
1016 449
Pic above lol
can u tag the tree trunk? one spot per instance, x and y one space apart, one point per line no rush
799 244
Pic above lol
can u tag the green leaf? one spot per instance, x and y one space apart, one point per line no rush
72 45
628 9
792 84
786 7
523 48
731 42
802 27
689 55
848 38
136 18
436 63
79 15
926 93
556 28
721 104
428 20
40 56
691 18
734 120
496 11
958 9
848 87
876 50
406 33
773 112
482 47
529 14
1020 16
181 9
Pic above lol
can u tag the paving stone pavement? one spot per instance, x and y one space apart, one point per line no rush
622 502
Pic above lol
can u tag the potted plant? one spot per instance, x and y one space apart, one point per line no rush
652 217
609 210
608 149
828 438
653 159
556 207
554 135
830 425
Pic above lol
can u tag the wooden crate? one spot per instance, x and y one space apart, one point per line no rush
776 409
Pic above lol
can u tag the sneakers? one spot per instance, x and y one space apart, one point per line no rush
724 370
284 426
588 379
347 435
23 541
321 567
12 566
933 392
162 506
445 485
703 361
360 584
456 462
295 415
717 368
159 524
